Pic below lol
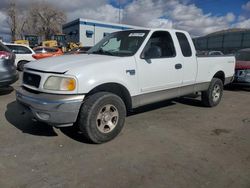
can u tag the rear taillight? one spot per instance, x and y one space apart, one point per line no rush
5 55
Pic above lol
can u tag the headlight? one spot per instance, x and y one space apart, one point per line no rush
60 83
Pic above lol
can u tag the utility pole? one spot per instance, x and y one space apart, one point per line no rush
119 11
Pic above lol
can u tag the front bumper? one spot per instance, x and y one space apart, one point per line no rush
55 110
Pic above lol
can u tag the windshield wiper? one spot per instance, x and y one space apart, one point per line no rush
101 51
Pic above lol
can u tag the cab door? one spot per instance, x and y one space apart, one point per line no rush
188 59
159 67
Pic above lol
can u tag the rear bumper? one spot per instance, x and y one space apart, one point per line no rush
8 79
242 77
241 83
55 110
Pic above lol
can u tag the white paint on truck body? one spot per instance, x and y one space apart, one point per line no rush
92 70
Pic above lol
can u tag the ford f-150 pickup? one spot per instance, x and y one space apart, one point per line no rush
125 70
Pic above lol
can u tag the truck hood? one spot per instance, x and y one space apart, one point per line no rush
65 63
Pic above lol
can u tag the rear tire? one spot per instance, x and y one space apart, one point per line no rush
212 96
101 117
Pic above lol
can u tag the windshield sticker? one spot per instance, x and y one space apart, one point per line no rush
136 34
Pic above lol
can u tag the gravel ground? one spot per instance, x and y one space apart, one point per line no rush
175 144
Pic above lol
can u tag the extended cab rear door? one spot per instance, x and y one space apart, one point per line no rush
187 58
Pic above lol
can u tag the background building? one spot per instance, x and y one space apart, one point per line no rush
89 32
227 41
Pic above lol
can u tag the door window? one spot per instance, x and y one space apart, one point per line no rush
19 49
163 43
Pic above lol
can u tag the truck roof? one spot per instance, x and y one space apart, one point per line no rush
159 29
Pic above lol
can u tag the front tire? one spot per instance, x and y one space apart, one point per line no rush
102 117
212 96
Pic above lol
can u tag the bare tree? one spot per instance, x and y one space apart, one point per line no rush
45 20
16 20
12 19
41 19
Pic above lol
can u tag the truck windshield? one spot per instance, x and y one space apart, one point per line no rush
122 43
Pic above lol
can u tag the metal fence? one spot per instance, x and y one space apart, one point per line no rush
226 42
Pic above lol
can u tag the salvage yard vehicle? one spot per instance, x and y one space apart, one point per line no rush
242 68
45 52
24 54
215 53
8 73
50 43
24 42
79 50
125 70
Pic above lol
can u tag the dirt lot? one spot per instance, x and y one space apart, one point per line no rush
173 144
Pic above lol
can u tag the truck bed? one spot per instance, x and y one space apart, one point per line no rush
205 72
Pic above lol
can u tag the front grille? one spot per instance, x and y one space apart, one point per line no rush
31 79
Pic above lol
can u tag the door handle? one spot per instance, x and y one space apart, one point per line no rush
131 72
178 66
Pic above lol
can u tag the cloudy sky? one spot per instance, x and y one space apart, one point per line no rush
199 17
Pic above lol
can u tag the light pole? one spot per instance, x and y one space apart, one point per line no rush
119 11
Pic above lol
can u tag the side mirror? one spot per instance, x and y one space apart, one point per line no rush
153 52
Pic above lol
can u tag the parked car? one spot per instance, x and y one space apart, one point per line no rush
126 70
24 54
209 53
79 50
8 72
242 68
45 52
215 53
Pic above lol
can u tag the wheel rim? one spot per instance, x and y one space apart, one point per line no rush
107 118
216 93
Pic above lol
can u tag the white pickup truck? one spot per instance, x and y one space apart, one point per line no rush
125 70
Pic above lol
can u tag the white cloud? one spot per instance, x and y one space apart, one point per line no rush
103 13
230 17
160 23
243 19
243 24
159 13
179 14
246 6
141 12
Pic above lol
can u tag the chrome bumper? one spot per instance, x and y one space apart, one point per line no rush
242 77
56 110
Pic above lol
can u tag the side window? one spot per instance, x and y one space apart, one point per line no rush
50 50
13 49
185 46
162 43
4 48
23 50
